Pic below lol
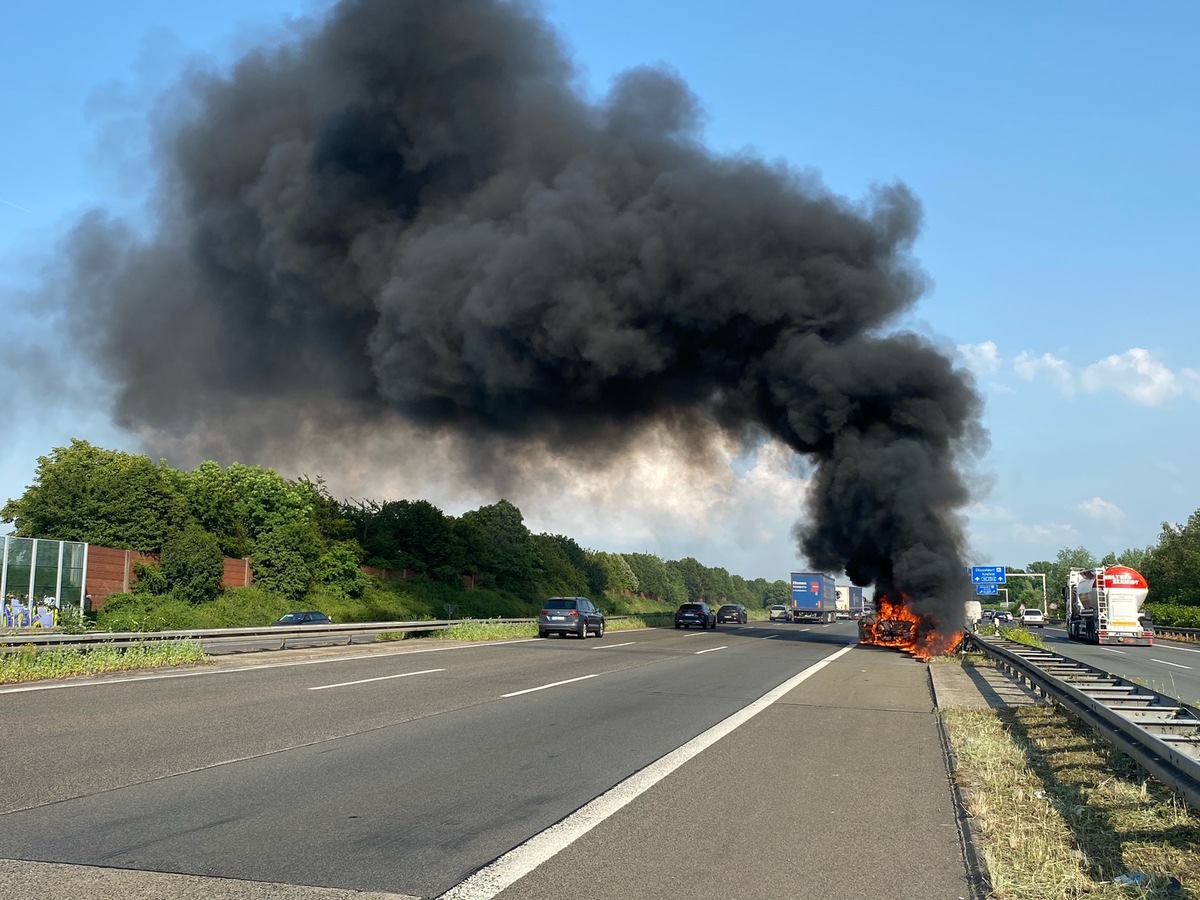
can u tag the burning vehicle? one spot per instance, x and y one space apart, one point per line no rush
896 624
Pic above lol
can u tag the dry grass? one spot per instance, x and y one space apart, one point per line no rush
1056 812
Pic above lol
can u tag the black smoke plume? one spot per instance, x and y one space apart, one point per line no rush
407 212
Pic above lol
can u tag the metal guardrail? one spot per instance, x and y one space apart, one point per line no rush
1169 631
271 637
216 638
1160 733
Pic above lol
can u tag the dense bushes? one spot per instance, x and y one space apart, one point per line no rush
1174 614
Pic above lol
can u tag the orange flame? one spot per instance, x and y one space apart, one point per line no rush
895 625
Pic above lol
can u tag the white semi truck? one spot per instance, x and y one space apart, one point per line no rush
1104 606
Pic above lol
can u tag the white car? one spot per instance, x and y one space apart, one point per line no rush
1033 618
779 614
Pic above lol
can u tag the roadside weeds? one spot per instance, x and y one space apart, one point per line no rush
1056 812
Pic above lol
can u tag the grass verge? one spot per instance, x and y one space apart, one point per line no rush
1057 812
30 664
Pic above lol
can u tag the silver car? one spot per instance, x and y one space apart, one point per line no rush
570 615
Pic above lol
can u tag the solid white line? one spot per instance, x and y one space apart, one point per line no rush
768 637
325 687
523 859
1173 647
1165 663
712 650
555 684
101 680
610 646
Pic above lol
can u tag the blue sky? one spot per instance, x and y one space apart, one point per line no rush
1053 146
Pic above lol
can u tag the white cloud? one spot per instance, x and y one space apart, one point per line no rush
1048 366
1099 508
1045 534
1139 376
982 358
981 512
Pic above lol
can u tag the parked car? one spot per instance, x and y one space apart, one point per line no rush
779 613
1033 618
306 617
690 614
733 612
570 615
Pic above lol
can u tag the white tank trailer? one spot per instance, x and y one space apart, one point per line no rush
1104 606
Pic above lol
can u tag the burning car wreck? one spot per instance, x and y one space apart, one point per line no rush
896 624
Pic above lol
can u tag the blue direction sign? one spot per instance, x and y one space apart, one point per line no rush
987 589
987 575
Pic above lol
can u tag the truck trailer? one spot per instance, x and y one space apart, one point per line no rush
814 597
849 601
1104 606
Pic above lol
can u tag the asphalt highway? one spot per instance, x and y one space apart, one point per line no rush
1171 668
751 761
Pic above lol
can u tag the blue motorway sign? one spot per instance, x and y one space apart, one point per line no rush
987 589
987 575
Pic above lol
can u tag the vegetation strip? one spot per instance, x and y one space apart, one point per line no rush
32 664
1056 811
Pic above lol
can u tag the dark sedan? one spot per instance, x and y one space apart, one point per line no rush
306 617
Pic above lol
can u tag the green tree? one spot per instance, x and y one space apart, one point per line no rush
192 564
716 584
240 503
560 576
691 573
1172 569
618 575
213 502
500 545
656 579
338 569
284 559
107 497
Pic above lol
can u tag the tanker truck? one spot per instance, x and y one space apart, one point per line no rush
1104 606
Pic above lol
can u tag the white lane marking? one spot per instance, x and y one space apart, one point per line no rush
806 629
691 633
1111 650
524 858
101 681
1162 646
768 637
711 650
543 687
1165 663
325 687
610 646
